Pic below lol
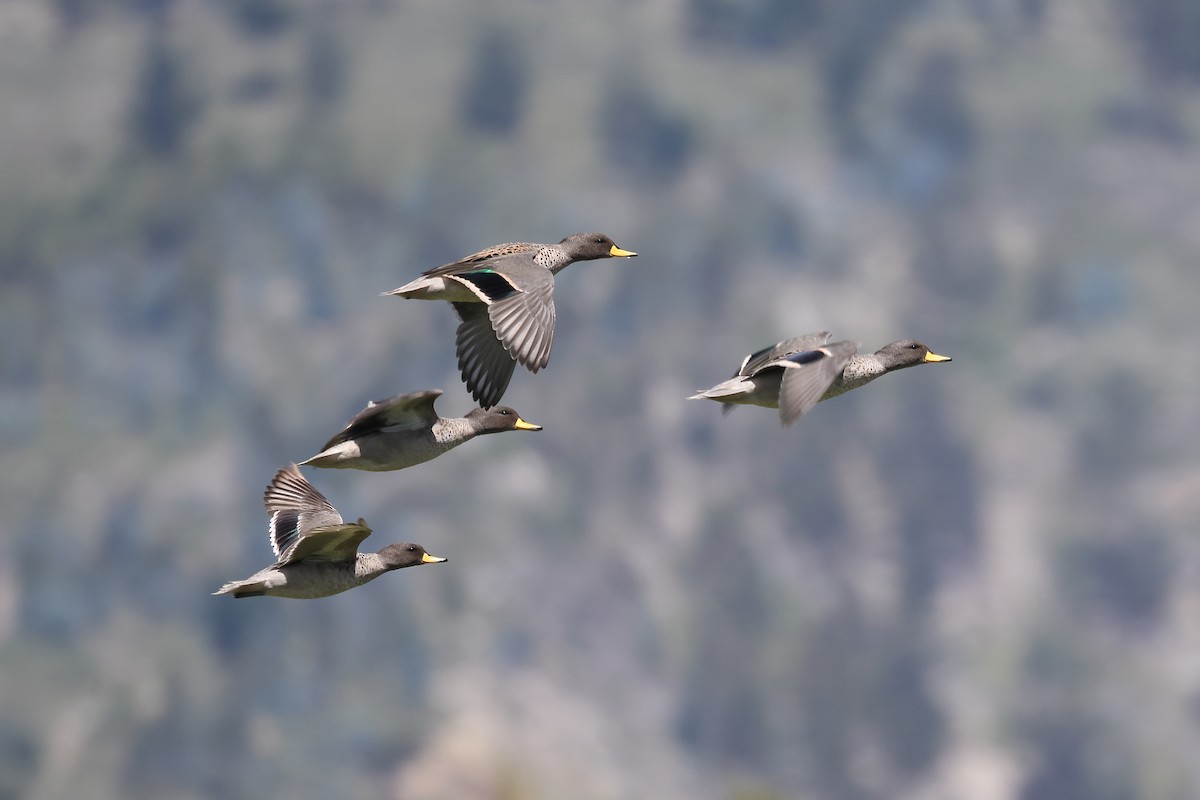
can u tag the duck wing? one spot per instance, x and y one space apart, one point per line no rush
762 358
485 364
331 543
295 507
524 321
413 410
807 375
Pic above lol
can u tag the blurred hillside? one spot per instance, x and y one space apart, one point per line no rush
976 580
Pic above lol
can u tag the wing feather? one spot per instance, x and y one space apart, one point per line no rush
410 410
486 366
294 506
331 543
807 375
524 322
762 358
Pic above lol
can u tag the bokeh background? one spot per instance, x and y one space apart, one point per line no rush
976 580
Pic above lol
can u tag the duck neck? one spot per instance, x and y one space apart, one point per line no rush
553 259
453 431
859 370
368 566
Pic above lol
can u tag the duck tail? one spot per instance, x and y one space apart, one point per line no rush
722 391
243 589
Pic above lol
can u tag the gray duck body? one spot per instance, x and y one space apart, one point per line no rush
307 580
317 552
796 374
504 297
405 430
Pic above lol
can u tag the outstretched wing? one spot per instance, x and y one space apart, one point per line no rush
331 543
524 323
515 323
411 410
485 365
761 358
295 506
807 375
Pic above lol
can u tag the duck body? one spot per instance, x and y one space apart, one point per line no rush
405 430
317 552
757 380
796 374
387 451
309 580
504 298
459 282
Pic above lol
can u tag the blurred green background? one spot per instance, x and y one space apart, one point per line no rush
976 580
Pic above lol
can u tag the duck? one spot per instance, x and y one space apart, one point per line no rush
317 551
504 298
796 374
405 430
